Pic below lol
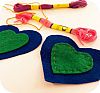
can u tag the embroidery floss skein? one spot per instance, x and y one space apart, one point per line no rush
83 34
32 6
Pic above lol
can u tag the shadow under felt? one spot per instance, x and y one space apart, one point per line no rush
90 76
34 41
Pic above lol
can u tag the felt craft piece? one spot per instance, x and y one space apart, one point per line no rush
87 77
9 40
66 60
33 42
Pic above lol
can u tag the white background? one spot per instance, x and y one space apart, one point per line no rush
97 90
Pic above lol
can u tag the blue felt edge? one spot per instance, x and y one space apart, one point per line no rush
90 76
34 41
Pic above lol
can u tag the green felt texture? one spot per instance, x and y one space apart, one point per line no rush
9 40
66 60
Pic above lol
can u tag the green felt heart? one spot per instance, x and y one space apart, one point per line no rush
66 60
9 40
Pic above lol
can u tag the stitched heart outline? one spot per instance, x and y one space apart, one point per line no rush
66 60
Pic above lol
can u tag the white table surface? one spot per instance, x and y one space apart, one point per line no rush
8 83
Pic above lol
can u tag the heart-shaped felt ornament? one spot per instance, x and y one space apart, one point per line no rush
67 66
9 40
66 60
14 42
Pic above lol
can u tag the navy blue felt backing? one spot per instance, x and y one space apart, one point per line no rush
34 41
90 76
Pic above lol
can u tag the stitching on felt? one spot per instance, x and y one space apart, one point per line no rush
54 58
57 69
